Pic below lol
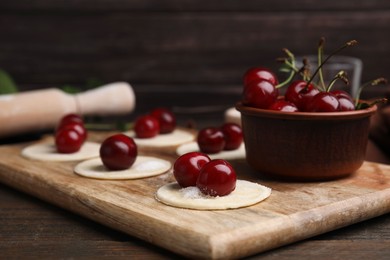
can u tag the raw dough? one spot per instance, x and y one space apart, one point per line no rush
226 155
246 194
48 152
144 166
177 137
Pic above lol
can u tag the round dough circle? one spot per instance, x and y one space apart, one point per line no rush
48 152
246 194
226 155
177 137
144 166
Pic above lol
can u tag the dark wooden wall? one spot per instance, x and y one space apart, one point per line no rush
180 45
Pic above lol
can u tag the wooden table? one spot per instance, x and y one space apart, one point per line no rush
33 228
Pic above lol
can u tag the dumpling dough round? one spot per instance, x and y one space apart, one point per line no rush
226 155
245 194
144 166
48 152
177 137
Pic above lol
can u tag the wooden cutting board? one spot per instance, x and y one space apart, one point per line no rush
293 212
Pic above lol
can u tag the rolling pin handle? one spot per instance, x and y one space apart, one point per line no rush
111 99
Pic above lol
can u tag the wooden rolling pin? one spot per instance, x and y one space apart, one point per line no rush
38 110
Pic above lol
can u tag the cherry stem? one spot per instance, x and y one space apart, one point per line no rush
374 82
350 43
291 65
339 76
366 105
377 101
319 58
305 69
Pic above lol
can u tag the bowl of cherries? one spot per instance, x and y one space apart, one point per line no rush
310 133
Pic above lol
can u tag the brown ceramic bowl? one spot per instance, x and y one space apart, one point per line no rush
305 146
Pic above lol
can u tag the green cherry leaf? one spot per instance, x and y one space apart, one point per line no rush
70 89
7 85
93 83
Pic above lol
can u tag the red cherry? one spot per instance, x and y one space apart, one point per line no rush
323 102
166 119
284 106
78 127
259 73
346 104
146 126
187 168
345 100
211 140
300 94
217 178
260 94
233 136
70 118
341 94
68 140
118 152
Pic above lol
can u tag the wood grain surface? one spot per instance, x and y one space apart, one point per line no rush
294 211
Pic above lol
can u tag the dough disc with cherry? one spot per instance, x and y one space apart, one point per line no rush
177 137
48 152
245 194
143 167
226 155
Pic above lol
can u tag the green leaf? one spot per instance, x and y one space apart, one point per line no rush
70 89
7 85
93 83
